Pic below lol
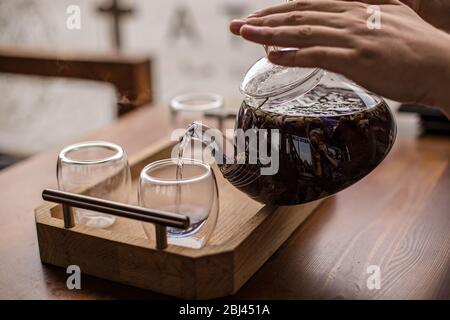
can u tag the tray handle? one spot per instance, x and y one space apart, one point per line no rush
160 219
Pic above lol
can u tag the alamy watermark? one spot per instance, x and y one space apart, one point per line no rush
374 19
373 282
238 146
73 21
74 280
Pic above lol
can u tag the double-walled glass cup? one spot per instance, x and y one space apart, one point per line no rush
190 107
98 169
194 194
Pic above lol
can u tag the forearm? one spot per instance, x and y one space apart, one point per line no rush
440 98
439 93
436 12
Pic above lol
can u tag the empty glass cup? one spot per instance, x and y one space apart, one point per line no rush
97 169
193 194
190 107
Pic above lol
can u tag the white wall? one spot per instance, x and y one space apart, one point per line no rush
29 107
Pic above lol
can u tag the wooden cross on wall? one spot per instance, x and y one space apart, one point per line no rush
117 11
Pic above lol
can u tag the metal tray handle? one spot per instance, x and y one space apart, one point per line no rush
161 219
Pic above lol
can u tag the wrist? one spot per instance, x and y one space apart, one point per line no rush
435 12
438 93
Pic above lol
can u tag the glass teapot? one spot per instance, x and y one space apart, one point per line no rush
300 135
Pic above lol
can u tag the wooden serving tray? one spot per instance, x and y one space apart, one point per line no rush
246 235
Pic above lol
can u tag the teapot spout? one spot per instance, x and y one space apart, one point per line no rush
216 143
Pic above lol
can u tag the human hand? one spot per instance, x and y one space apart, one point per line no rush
414 4
406 59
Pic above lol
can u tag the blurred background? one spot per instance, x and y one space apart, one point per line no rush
186 42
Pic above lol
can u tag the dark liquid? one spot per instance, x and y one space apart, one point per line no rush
324 148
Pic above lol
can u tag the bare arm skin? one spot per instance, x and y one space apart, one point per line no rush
407 60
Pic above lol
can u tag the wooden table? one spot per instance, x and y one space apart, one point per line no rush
397 218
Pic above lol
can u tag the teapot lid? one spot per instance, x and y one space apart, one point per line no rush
267 80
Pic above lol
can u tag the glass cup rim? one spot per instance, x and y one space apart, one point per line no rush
165 162
119 153
179 103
